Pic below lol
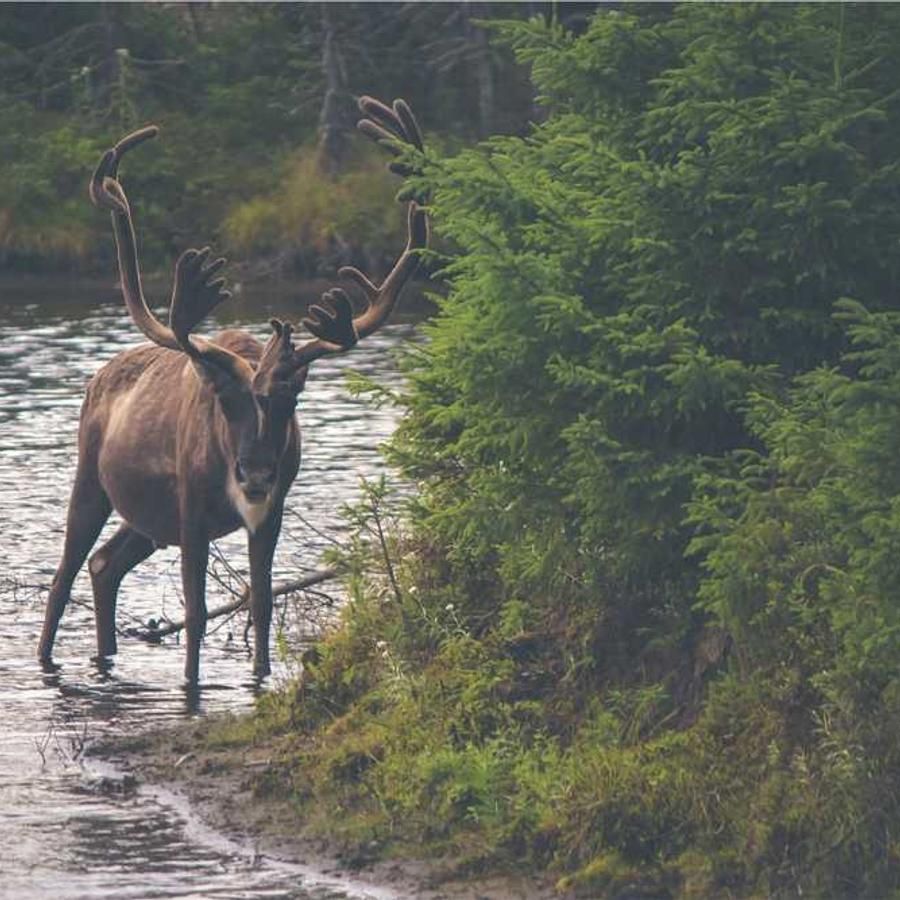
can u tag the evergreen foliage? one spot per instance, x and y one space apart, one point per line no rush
640 624
630 273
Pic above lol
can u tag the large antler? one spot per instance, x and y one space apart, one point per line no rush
331 321
196 292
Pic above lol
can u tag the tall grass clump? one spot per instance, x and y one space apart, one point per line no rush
312 218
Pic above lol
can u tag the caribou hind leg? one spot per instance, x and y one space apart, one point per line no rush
108 566
89 508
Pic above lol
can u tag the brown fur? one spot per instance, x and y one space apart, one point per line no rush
155 446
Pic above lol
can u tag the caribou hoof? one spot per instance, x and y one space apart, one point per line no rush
48 667
262 669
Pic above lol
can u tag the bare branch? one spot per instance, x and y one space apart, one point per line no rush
155 633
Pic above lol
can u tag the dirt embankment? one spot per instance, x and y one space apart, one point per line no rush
220 783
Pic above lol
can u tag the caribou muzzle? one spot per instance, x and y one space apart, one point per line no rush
256 480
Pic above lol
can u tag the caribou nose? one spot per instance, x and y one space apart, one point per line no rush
256 481
255 492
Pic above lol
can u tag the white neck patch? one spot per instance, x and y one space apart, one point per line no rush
252 514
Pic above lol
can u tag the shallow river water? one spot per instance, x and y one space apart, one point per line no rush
64 836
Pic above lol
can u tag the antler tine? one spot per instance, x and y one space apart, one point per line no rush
394 128
381 299
196 293
411 128
108 194
331 321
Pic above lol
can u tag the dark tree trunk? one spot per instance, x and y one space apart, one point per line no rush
483 69
332 122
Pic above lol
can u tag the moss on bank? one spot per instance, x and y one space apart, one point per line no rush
408 737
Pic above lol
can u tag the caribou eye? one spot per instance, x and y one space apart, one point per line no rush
239 472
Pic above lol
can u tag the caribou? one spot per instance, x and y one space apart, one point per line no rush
189 438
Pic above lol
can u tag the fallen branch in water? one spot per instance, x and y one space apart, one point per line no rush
20 589
154 631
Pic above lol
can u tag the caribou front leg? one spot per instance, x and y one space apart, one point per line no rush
194 559
261 545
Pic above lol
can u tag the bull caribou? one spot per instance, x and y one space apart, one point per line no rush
189 438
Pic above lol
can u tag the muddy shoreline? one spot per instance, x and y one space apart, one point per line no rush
219 785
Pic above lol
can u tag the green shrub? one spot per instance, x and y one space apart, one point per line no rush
641 623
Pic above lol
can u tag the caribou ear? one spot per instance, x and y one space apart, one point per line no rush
275 362
298 379
220 379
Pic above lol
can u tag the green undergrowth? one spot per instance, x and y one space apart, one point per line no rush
490 751
309 223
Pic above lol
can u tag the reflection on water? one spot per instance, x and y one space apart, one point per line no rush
61 835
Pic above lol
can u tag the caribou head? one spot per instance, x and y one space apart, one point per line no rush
191 438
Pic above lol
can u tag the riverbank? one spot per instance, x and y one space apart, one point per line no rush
231 783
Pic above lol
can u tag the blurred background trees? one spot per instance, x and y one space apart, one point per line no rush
256 102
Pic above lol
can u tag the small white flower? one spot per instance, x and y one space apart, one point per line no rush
380 645
449 607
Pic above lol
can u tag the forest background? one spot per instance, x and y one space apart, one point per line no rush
639 624
256 102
